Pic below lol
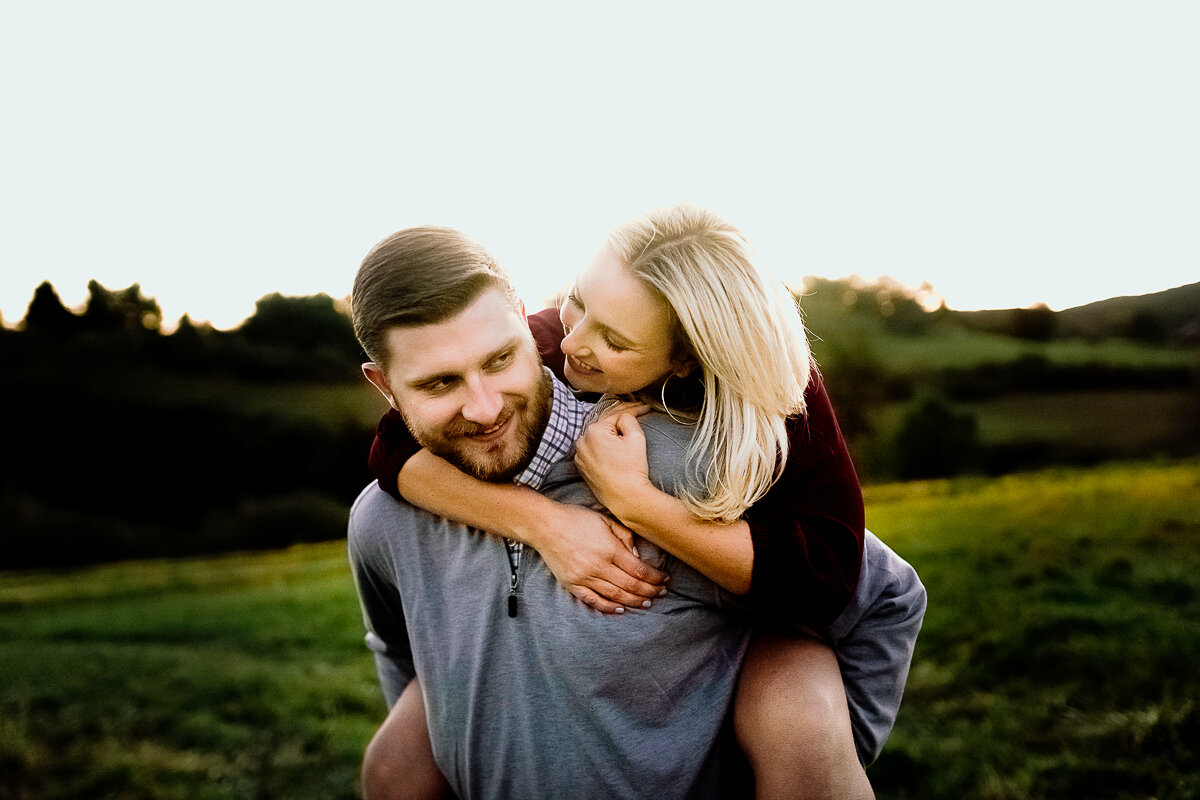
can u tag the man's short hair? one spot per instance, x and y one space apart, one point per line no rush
420 276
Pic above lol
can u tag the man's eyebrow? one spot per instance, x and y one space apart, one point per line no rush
429 380
426 380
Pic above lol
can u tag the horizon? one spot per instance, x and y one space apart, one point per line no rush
926 296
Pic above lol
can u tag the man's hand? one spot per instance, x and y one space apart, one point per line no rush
594 558
611 456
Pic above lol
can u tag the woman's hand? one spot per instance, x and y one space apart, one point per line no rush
611 456
593 557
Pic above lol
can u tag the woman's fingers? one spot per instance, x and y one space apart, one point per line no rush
636 576
596 602
623 406
611 599
624 536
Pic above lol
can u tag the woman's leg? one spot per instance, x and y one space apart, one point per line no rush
792 722
398 763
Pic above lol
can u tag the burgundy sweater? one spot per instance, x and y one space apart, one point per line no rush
807 530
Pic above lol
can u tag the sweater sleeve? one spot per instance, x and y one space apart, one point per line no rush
807 530
394 445
379 599
548 333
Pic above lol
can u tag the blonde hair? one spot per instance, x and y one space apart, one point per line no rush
746 336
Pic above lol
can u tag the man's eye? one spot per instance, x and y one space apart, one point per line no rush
501 361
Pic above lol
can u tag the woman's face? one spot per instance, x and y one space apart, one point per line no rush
619 338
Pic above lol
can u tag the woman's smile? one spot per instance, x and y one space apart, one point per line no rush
581 367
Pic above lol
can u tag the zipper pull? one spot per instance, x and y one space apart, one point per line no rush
512 603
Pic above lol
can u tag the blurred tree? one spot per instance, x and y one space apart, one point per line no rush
122 312
301 323
186 330
47 316
1037 324
901 312
934 441
854 378
1145 326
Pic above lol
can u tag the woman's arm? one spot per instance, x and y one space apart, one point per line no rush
592 556
797 552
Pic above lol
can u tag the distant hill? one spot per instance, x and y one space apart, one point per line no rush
1172 315
1177 311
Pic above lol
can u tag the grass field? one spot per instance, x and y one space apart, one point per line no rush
1059 654
235 677
1058 658
962 348
1126 424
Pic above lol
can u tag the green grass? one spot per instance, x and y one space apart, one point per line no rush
1058 655
242 676
957 348
1128 423
1057 660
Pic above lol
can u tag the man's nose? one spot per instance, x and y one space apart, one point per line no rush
483 403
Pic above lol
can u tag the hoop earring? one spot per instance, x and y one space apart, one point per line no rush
663 396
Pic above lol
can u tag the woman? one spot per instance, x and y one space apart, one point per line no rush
674 314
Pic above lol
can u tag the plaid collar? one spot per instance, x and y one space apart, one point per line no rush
568 415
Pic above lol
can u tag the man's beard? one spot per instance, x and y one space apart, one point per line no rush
529 415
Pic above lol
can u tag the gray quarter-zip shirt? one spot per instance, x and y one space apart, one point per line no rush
559 701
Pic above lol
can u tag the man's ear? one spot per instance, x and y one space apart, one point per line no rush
379 380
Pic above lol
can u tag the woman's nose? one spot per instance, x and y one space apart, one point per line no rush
573 342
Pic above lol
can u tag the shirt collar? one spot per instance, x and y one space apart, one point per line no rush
568 415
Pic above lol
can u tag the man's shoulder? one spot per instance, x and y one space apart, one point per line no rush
369 500
373 513
667 442
663 431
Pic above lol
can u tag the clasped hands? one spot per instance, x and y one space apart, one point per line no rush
594 556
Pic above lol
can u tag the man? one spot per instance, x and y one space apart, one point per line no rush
527 692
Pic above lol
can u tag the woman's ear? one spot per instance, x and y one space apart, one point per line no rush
682 367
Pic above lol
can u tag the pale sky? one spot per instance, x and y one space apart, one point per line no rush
1009 152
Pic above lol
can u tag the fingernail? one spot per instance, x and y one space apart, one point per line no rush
620 609
635 553
646 604
663 593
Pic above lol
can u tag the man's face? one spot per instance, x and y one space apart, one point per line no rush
471 388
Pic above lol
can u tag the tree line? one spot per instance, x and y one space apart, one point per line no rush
124 440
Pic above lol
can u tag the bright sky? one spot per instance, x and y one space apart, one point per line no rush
1007 152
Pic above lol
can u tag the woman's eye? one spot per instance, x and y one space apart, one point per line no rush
613 345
